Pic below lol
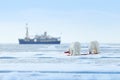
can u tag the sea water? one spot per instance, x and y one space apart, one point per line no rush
49 62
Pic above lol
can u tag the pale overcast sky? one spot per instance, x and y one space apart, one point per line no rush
73 20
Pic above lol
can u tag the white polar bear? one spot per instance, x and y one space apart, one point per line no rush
74 48
94 47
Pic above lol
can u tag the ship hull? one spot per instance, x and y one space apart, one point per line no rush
22 41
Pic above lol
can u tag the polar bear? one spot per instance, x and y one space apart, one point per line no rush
94 47
74 49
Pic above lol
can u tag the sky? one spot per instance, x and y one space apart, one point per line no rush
72 20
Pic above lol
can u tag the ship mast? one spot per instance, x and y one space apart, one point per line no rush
27 33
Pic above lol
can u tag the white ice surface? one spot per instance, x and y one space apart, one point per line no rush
55 65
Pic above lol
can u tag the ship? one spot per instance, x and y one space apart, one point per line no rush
39 39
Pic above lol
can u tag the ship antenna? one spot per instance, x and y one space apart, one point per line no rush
27 33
